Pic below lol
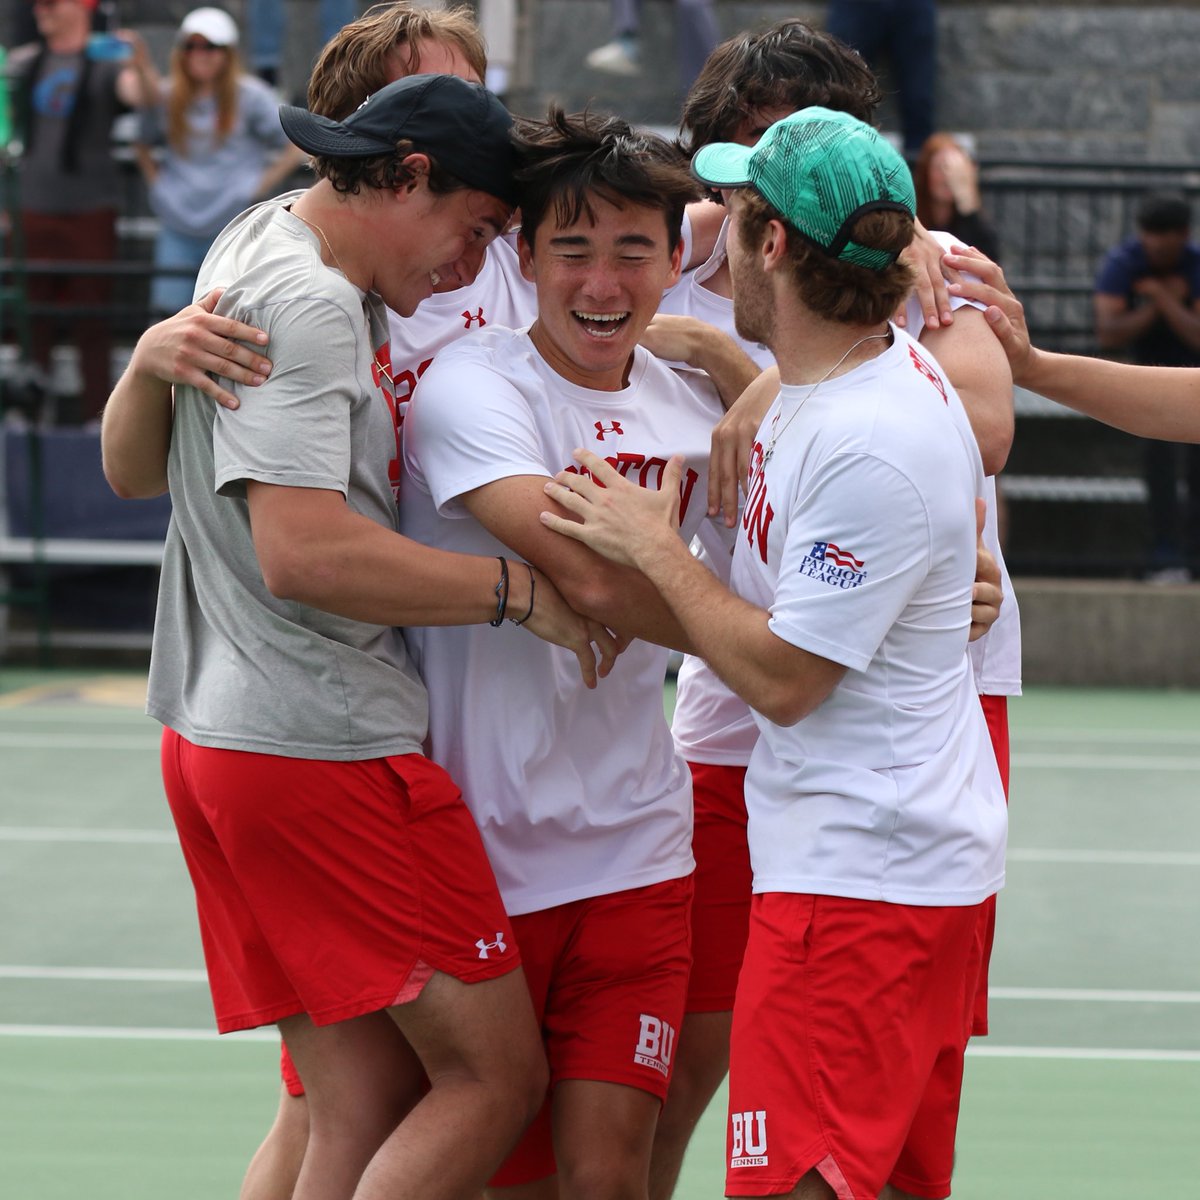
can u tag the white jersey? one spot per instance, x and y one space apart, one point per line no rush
859 538
713 725
576 793
500 296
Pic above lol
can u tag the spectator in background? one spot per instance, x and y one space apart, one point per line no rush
902 34
223 149
696 35
1147 303
265 26
947 181
66 100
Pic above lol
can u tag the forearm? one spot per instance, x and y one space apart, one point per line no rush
345 563
1156 402
135 436
733 636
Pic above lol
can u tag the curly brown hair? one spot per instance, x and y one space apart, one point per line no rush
833 289
788 65
349 176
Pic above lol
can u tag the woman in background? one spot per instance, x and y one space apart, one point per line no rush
947 182
222 149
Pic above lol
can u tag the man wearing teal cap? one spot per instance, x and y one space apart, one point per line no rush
876 814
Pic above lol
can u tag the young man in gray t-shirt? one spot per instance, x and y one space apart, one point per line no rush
342 888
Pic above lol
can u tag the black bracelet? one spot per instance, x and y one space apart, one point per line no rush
501 594
532 590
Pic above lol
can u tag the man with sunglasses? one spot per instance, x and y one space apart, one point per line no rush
66 99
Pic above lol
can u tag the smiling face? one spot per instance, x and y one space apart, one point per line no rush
599 283
421 231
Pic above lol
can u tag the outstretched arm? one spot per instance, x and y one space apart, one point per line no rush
190 347
1156 402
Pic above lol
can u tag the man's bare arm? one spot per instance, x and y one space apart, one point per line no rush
975 363
1156 402
135 436
314 549
616 596
705 347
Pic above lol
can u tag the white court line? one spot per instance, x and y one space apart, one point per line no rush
46 833
107 974
1089 995
137 1034
1100 762
59 741
1083 1053
110 1032
1113 858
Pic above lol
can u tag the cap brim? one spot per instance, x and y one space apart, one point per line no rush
723 165
320 135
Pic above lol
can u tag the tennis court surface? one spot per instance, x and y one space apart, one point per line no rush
113 1087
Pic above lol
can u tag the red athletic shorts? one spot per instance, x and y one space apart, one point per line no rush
721 908
331 888
851 1021
608 977
995 709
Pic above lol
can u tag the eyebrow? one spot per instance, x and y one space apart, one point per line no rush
627 239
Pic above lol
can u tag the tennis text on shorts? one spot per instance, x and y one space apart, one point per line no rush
749 1139
656 1044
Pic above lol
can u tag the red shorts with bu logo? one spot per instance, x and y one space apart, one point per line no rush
608 977
851 1021
331 888
721 907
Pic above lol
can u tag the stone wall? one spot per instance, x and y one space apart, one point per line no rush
1074 80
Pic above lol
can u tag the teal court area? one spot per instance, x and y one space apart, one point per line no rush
113 1087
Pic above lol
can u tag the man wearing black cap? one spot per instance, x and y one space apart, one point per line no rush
342 888
876 813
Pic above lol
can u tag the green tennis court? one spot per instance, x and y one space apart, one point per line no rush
113 1086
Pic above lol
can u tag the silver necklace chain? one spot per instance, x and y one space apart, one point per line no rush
777 433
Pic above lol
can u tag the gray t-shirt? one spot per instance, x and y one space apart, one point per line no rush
199 191
233 666
47 186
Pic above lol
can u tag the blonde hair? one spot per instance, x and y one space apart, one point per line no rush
361 58
184 91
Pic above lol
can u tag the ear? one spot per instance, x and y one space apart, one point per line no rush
774 245
676 264
418 167
525 256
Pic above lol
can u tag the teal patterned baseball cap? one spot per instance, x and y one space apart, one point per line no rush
821 170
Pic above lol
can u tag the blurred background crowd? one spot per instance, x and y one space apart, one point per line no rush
1062 139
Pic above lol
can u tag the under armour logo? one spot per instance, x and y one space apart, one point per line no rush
602 429
499 945
470 320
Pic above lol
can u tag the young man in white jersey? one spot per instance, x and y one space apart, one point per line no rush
293 717
584 807
877 817
748 82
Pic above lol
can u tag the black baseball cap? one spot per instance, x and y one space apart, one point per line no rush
461 125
